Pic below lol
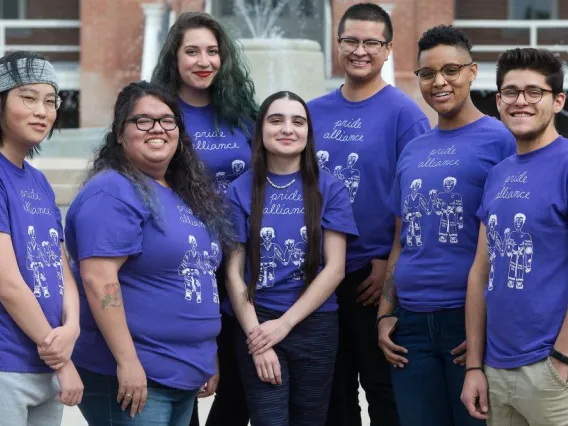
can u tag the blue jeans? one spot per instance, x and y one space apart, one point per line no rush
164 407
428 388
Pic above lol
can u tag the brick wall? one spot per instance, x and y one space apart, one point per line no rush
52 9
410 19
482 9
111 45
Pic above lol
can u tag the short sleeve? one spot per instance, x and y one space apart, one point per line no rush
481 211
395 195
107 227
419 125
338 213
4 216
57 211
238 215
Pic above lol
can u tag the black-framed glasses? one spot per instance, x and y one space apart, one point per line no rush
351 44
450 72
532 95
145 124
51 103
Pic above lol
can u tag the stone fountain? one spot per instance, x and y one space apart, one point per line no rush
277 62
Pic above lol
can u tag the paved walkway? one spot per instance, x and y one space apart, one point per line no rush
73 417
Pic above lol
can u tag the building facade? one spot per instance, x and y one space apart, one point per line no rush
98 46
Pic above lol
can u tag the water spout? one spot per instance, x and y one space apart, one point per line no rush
260 16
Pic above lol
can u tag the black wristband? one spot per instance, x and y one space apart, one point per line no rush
383 316
559 356
473 368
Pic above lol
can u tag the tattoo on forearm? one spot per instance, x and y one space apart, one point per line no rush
112 296
389 291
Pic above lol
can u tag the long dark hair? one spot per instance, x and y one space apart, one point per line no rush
185 175
312 197
232 90
10 61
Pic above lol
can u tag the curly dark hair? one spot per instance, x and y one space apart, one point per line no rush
446 35
232 90
186 175
10 61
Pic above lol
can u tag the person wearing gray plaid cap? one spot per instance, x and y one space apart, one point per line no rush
39 303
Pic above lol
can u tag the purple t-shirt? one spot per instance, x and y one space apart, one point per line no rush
437 190
168 282
284 236
225 152
29 214
525 210
359 143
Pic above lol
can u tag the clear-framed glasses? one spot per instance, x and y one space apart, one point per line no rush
31 101
351 44
532 95
450 72
145 124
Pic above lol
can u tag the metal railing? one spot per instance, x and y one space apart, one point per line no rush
6 24
533 27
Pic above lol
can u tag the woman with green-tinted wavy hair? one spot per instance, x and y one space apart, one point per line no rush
205 68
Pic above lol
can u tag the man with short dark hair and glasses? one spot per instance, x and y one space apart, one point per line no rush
361 129
436 193
517 331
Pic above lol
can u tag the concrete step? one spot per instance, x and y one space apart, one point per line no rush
73 143
65 175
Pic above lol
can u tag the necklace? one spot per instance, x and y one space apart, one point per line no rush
280 186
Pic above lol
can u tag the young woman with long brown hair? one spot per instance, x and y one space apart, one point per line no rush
292 222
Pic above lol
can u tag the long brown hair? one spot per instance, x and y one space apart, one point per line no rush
312 197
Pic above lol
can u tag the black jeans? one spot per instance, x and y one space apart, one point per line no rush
359 358
229 406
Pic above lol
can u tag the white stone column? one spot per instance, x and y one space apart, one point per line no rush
388 68
151 49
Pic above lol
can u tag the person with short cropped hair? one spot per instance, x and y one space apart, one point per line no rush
517 326
361 129
436 193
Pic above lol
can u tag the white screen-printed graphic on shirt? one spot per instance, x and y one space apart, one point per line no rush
349 175
223 180
270 252
52 255
519 250
298 251
494 246
413 204
36 262
449 206
211 263
323 159
191 267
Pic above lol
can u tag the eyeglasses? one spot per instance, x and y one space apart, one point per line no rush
532 95
371 46
450 72
51 103
146 123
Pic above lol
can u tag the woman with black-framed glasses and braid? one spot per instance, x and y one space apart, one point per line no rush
292 223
